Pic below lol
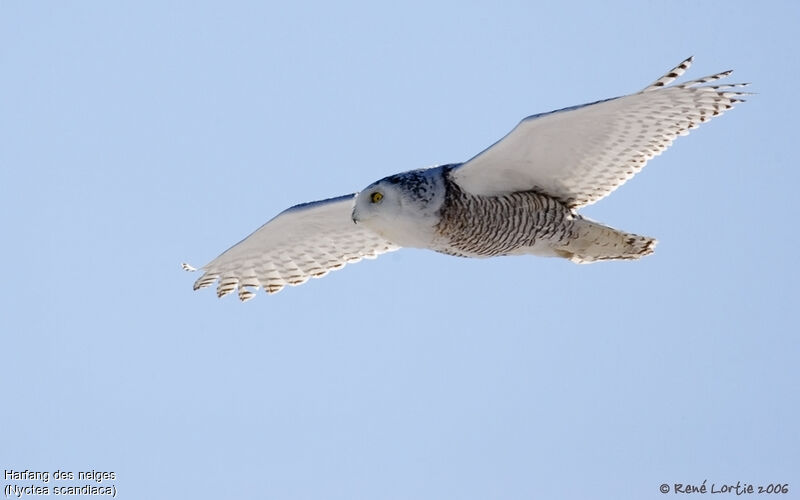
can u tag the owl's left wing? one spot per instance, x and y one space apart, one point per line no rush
302 242
582 153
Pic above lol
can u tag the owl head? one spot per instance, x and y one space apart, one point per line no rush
403 208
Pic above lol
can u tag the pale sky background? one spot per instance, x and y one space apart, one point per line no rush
137 135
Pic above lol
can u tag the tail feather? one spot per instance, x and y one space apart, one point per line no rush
597 242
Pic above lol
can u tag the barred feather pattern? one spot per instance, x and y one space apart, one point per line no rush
670 75
488 226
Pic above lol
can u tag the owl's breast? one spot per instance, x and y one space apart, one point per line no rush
488 226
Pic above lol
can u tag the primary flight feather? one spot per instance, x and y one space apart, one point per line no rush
519 196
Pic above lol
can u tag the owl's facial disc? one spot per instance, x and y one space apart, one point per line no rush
402 208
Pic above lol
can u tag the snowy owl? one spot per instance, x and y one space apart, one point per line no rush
519 196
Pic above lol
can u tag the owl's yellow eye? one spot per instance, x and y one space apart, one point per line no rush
376 197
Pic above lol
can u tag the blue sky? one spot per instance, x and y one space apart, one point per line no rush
137 135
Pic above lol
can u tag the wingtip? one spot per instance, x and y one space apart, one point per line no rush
685 65
187 267
671 75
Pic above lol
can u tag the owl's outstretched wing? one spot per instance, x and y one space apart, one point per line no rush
302 242
582 153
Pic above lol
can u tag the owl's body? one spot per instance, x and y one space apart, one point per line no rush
519 196
446 219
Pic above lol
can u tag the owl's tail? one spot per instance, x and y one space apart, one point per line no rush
597 242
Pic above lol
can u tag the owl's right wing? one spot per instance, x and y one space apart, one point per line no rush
302 242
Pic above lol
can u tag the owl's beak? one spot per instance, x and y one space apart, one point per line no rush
354 216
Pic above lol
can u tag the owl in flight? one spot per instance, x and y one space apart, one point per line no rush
519 196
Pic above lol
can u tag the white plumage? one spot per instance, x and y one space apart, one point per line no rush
302 242
581 154
519 196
